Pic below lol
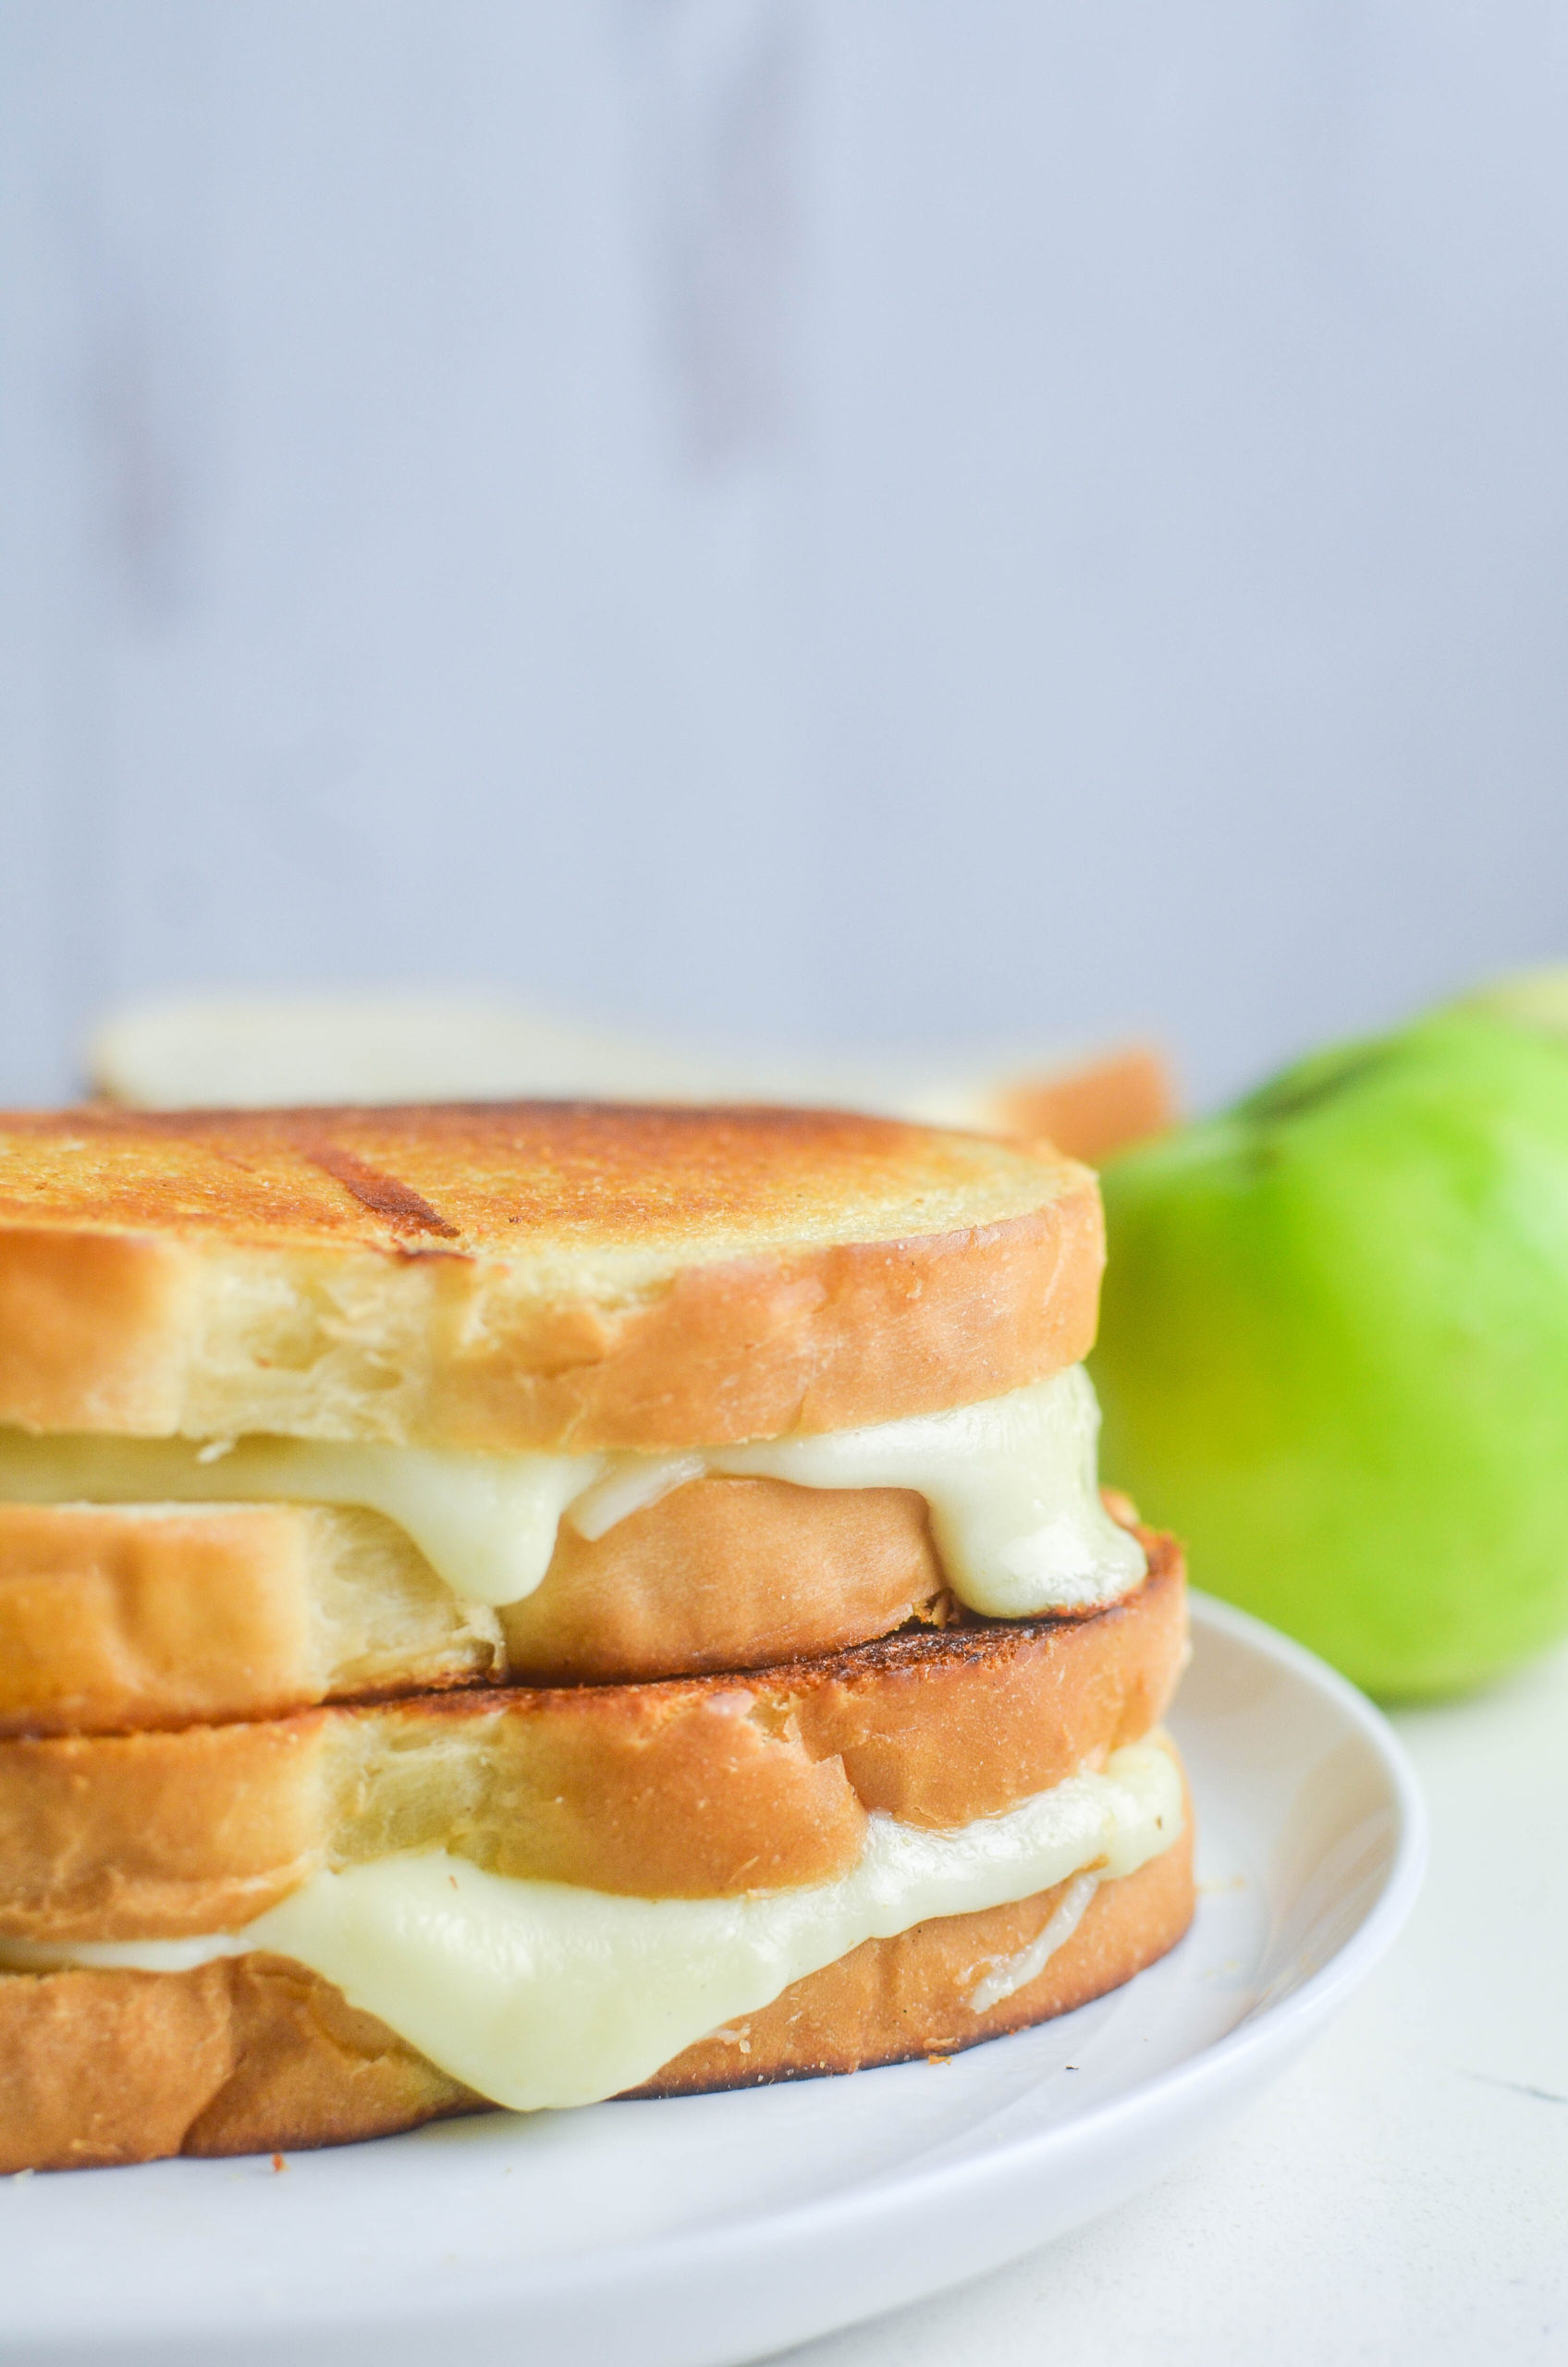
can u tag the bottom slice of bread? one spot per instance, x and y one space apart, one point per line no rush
251 2054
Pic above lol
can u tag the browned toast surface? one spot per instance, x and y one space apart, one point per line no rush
503 1276
650 1185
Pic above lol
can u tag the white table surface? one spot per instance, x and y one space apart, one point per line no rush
1402 2193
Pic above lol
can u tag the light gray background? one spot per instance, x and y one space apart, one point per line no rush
884 522
867 522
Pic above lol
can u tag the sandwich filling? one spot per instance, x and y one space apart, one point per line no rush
539 1994
1011 1485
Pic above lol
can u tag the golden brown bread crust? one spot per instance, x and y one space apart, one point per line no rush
661 1188
517 1275
244 2055
118 1616
692 1788
729 1574
115 1617
111 1618
254 2054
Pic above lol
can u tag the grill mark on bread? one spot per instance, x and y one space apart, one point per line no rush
384 1194
589 1171
672 1276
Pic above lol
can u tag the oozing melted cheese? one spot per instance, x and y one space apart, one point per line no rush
537 1993
1011 1485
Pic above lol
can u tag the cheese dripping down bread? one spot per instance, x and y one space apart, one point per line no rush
392 1308
553 1896
755 1443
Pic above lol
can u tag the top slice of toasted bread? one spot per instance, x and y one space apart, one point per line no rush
249 1051
510 1275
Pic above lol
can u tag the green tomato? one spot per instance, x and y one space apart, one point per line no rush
1333 1349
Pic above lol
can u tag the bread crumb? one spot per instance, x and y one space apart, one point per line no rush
939 2062
278 2163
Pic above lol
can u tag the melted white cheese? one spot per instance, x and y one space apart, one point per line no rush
538 1993
486 1523
1008 1974
1011 1484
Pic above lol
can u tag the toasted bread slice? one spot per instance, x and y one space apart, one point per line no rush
688 1788
507 1276
254 2054
114 1617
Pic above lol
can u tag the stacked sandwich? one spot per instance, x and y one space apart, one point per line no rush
523 1604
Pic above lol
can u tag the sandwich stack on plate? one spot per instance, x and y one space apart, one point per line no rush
528 1604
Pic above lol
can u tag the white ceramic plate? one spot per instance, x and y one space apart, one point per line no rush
713 2229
